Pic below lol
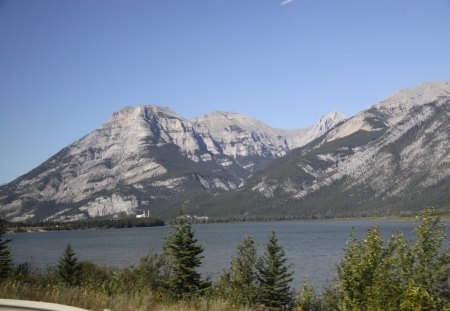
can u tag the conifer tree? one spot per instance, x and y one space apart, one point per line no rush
184 252
68 267
5 254
243 273
274 277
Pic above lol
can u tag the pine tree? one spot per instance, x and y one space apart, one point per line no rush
68 267
243 273
274 277
5 254
184 252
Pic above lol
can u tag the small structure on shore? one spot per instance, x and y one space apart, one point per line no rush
145 214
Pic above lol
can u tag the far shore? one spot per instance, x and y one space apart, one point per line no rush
38 229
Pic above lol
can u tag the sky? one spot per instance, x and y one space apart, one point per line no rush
66 66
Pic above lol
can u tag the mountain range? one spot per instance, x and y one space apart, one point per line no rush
392 158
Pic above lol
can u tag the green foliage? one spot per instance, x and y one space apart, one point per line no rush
372 276
428 286
306 299
68 267
6 263
390 276
97 223
152 273
154 269
239 285
358 269
274 276
330 298
184 252
397 276
95 278
243 274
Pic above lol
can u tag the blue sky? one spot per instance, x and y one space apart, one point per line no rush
65 66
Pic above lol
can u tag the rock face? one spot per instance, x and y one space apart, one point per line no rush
240 136
150 158
392 158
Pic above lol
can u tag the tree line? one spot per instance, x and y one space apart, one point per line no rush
97 223
373 275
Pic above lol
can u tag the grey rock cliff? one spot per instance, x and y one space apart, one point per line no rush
148 157
392 157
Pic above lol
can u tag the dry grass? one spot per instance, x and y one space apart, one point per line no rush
97 301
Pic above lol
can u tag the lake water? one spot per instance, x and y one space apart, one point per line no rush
313 247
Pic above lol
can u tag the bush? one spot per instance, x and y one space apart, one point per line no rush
373 275
306 299
239 284
397 276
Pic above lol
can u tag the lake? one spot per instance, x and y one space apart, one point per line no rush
313 247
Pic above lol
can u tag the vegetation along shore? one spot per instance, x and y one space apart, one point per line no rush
84 224
132 222
372 275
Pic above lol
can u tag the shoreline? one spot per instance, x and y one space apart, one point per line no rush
40 229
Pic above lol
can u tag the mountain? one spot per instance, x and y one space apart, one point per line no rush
148 158
392 158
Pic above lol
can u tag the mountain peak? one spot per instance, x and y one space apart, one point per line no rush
220 120
225 115
150 157
421 94
130 115
332 118
335 115
431 88
398 105
328 121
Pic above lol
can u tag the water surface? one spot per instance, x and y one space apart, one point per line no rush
313 247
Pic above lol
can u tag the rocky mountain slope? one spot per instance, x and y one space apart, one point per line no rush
148 158
393 158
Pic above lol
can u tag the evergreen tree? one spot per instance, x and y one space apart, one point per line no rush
184 252
68 267
5 254
243 273
274 277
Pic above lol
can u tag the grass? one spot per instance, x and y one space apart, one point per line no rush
97 301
